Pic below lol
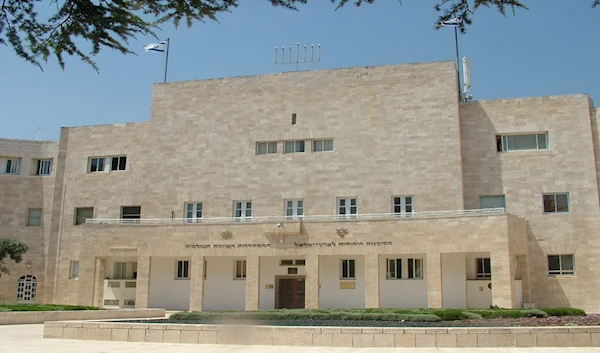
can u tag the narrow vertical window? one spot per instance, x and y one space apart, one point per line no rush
240 269
484 268
34 217
243 211
348 270
394 268
44 167
74 273
415 268
183 269
193 212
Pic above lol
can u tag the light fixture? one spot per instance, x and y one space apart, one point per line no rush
28 264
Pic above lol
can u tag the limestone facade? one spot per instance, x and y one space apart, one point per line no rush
398 131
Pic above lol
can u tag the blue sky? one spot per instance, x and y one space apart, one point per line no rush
551 49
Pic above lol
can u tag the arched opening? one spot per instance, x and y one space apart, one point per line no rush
26 289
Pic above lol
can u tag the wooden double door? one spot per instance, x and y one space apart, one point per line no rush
290 293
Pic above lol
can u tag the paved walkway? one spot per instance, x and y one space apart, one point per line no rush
28 338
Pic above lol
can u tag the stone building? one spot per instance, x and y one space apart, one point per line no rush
350 188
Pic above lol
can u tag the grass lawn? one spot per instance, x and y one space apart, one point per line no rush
428 315
4 307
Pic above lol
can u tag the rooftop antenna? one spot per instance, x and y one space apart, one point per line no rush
466 63
281 59
37 137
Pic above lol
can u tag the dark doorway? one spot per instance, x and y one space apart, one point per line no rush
291 293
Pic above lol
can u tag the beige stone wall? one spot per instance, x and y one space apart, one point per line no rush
569 165
395 131
18 193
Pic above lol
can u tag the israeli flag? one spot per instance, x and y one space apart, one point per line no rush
452 22
158 47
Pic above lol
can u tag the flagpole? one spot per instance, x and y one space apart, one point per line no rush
457 61
167 60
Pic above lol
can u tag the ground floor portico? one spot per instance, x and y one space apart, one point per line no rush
451 262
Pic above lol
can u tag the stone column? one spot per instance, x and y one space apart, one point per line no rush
434 280
99 282
197 283
312 282
252 282
142 289
86 281
503 267
371 281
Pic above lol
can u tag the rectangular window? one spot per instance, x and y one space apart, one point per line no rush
484 268
322 145
183 269
294 209
131 213
44 167
293 147
556 203
522 142
266 147
492 201
403 206
561 264
394 268
347 207
348 269
74 272
193 212
415 268
34 217
243 211
240 269
300 262
83 213
125 270
118 163
96 164
287 262
12 166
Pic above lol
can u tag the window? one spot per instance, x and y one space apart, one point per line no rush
484 268
523 142
83 213
561 265
96 164
266 147
348 269
26 288
415 268
243 211
322 145
183 270
240 269
74 273
492 201
403 206
300 262
34 217
347 208
131 213
294 209
12 166
44 167
193 212
118 163
394 268
556 203
294 146
205 268
125 270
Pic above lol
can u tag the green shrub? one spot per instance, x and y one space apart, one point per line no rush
450 314
534 312
300 315
473 316
4 307
564 311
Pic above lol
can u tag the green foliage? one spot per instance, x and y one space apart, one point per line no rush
564 311
472 316
111 24
43 307
534 312
13 249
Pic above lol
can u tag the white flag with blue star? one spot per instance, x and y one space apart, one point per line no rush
158 47
452 22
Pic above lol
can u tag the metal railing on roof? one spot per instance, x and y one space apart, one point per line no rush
316 218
